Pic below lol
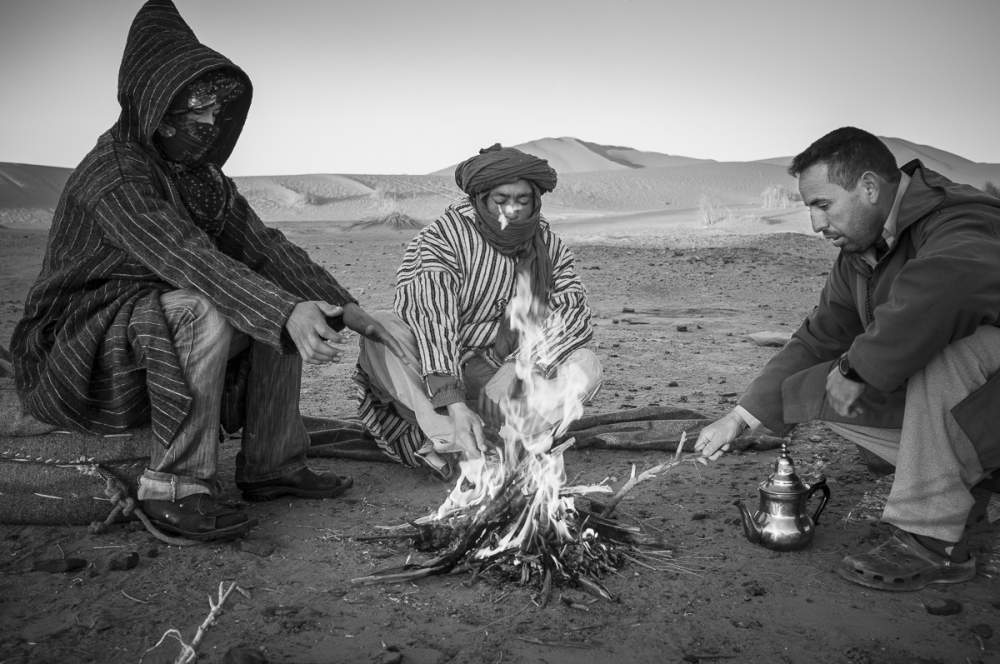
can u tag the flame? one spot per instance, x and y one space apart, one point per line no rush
539 410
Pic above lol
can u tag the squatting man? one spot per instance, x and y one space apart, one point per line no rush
163 299
901 354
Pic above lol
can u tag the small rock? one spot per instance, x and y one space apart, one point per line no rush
258 547
391 657
59 565
96 621
942 607
673 383
682 328
123 562
628 310
244 655
777 339
983 631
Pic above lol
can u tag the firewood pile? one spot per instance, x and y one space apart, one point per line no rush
528 532
511 513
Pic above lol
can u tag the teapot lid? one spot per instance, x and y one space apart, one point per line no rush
783 479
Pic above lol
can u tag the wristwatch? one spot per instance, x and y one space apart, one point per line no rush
847 371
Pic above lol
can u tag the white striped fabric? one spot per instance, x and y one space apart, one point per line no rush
452 289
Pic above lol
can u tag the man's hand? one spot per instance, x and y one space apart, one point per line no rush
715 439
359 320
843 393
311 335
468 429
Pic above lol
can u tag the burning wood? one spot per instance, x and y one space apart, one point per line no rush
511 514
508 537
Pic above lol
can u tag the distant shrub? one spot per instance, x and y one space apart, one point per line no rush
778 196
712 211
394 219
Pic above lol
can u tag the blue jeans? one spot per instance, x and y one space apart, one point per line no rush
274 437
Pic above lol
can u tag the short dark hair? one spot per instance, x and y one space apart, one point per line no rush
848 152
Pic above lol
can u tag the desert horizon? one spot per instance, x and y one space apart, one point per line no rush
606 193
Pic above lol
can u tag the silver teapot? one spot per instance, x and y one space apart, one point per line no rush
782 522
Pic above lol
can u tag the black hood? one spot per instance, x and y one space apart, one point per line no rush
162 56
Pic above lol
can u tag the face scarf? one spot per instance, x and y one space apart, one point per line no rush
523 241
206 194
185 143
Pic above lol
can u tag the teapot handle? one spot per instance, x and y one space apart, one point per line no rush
821 484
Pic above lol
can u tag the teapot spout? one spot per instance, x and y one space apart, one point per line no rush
750 527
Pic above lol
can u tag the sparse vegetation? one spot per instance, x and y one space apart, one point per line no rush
778 196
388 213
395 219
712 211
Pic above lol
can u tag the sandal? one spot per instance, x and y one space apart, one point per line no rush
197 517
903 564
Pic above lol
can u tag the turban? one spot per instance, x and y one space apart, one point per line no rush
496 165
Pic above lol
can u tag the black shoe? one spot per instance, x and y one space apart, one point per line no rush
303 483
197 517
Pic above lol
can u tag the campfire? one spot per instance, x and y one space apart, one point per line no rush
511 513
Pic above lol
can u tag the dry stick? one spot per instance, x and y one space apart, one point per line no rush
633 414
609 507
189 652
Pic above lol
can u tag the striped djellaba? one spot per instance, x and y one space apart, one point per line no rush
452 289
93 350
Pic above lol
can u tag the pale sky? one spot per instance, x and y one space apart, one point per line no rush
411 86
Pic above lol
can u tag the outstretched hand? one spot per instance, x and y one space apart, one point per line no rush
468 429
716 438
359 320
311 334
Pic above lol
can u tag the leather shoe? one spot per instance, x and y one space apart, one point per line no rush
303 483
198 517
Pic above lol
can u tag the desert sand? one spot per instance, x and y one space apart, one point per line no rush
682 262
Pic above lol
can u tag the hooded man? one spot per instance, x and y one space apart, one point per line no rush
451 314
157 273
902 353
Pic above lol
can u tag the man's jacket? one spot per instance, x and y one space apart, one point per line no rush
93 350
939 282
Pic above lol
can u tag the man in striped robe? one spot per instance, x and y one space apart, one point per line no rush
157 273
453 288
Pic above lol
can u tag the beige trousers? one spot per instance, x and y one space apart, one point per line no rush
936 463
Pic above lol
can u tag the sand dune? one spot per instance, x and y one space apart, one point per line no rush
613 186
572 155
951 165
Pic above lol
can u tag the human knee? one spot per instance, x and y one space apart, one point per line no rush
396 327
586 362
190 309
